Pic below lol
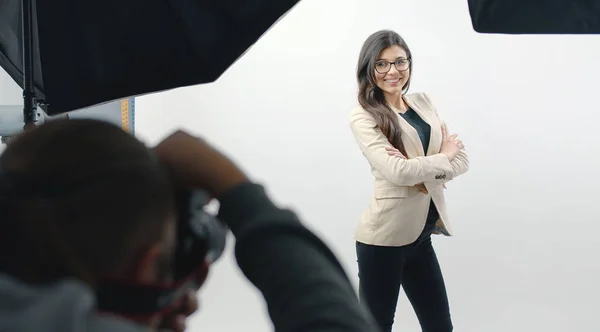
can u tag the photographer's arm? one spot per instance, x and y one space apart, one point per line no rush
304 285
402 172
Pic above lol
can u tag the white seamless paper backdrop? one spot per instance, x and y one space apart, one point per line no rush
524 257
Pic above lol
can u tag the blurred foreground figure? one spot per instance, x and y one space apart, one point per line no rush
83 203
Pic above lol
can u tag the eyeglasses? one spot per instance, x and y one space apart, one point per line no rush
383 67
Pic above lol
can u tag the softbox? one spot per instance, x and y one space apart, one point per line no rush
535 16
90 52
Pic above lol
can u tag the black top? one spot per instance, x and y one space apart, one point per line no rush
422 127
304 285
424 131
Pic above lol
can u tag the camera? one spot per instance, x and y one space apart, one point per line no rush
201 240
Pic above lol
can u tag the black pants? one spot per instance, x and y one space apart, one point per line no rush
382 270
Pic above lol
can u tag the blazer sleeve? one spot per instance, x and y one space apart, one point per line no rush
460 164
401 172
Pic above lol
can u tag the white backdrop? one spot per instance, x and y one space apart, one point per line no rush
10 93
524 257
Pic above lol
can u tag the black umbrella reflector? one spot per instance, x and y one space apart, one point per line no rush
535 16
94 51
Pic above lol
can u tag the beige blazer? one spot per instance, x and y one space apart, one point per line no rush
397 212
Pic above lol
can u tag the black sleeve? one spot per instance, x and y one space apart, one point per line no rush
304 285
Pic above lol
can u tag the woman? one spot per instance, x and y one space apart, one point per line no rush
411 158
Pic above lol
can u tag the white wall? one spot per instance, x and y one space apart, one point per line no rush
10 93
523 258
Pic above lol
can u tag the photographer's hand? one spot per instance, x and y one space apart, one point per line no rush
176 321
197 165
194 164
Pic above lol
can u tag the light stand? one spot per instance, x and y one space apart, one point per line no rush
30 115
30 105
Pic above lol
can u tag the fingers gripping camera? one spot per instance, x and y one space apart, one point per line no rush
206 226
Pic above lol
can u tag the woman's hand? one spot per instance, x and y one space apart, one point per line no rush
422 188
451 145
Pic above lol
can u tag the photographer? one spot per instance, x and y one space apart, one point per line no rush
82 202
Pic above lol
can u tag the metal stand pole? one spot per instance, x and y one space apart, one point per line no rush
29 98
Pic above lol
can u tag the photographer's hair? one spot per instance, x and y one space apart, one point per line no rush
370 96
79 199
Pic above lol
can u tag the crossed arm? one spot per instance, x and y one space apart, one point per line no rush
460 165
399 171
422 171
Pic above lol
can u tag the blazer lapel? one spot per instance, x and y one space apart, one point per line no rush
411 133
422 110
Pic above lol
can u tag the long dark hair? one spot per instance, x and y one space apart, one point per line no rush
370 96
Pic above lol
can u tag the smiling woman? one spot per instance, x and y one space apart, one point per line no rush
411 158
380 51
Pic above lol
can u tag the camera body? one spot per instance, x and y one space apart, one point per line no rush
201 240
